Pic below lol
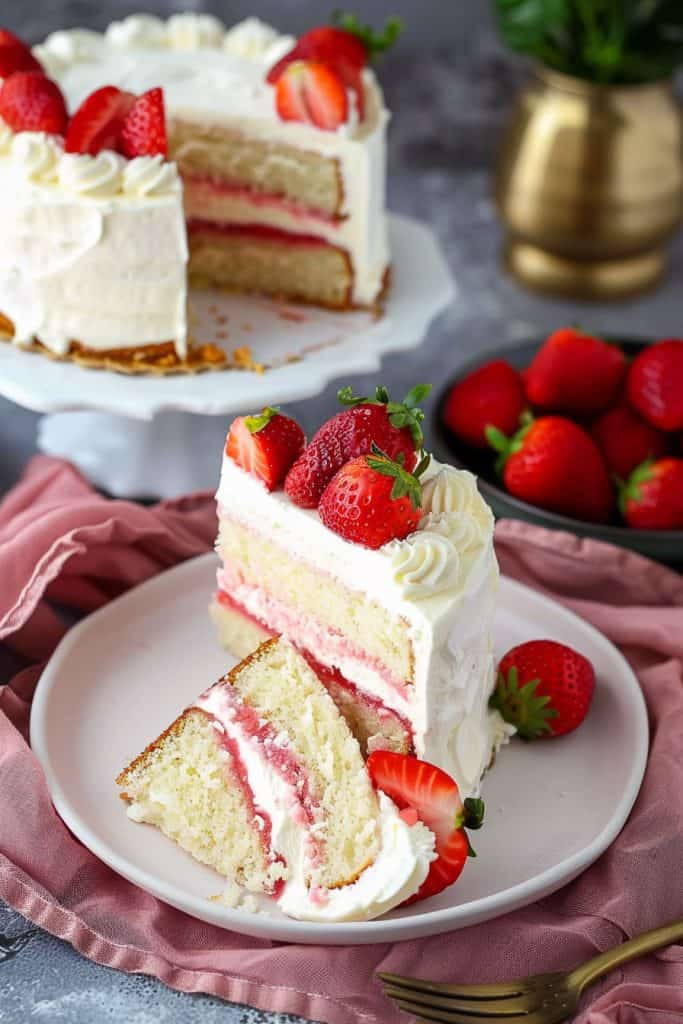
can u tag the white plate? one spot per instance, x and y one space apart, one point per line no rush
327 345
121 675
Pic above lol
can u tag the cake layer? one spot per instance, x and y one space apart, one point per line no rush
208 151
254 258
223 124
334 622
192 786
374 725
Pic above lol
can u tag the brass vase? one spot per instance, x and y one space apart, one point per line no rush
590 185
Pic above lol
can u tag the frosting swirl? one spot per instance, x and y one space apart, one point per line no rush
38 155
70 46
150 176
192 31
425 563
253 39
98 176
137 31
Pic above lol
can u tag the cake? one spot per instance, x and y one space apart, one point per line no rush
262 780
269 177
377 563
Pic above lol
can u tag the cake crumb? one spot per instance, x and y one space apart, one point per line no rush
294 315
242 358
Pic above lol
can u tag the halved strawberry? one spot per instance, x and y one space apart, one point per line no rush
312 93
15 55
144 129
97 123
265 445
30 102
415 785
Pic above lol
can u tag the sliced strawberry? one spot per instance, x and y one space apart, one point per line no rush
415 785
144 130
265 445
349 71
15 55
312 93
30 102
330 44
97 123
373 500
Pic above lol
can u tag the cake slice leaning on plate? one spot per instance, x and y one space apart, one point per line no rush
262 780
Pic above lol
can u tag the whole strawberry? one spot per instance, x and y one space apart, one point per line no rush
423 792
544 688
493 395
372 500
265 445
393 426
553 463
655 384
652 497
575 373
625 440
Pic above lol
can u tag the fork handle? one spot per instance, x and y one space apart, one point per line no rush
605 962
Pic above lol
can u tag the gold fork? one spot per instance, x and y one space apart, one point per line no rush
540 999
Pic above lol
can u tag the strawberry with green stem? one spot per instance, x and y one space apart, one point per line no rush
423 792
394 427
544 688
373 499
265 445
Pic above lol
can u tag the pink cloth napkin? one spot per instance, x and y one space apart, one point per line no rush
60 542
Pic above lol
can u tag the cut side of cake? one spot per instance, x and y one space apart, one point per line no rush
262 780
400 632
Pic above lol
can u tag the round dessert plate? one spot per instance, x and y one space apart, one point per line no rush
305 346
124 673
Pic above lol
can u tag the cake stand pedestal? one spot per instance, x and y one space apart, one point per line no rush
157 437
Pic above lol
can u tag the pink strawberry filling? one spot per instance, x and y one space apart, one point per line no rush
328 675
304 806
256 232
263 820
204 185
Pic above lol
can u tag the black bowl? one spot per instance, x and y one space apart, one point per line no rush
663 545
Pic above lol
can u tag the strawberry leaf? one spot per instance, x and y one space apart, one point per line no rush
474 812
630 491
530 714
374 42
256 423
405 484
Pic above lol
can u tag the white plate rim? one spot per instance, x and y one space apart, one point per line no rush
409 310
345 933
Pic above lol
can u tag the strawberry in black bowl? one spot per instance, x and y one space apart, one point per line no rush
578 433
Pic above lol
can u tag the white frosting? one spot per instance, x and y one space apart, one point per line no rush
6 138
144 31
80 260
194 31
213 77
99 176
37 156
150 176
398 871
449 605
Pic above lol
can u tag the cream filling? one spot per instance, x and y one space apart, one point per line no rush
402 865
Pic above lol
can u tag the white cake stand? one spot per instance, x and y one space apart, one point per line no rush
161 436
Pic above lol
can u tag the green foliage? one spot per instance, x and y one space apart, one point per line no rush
604 41
375 43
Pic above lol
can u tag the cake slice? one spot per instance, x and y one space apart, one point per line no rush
262 780
395 620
